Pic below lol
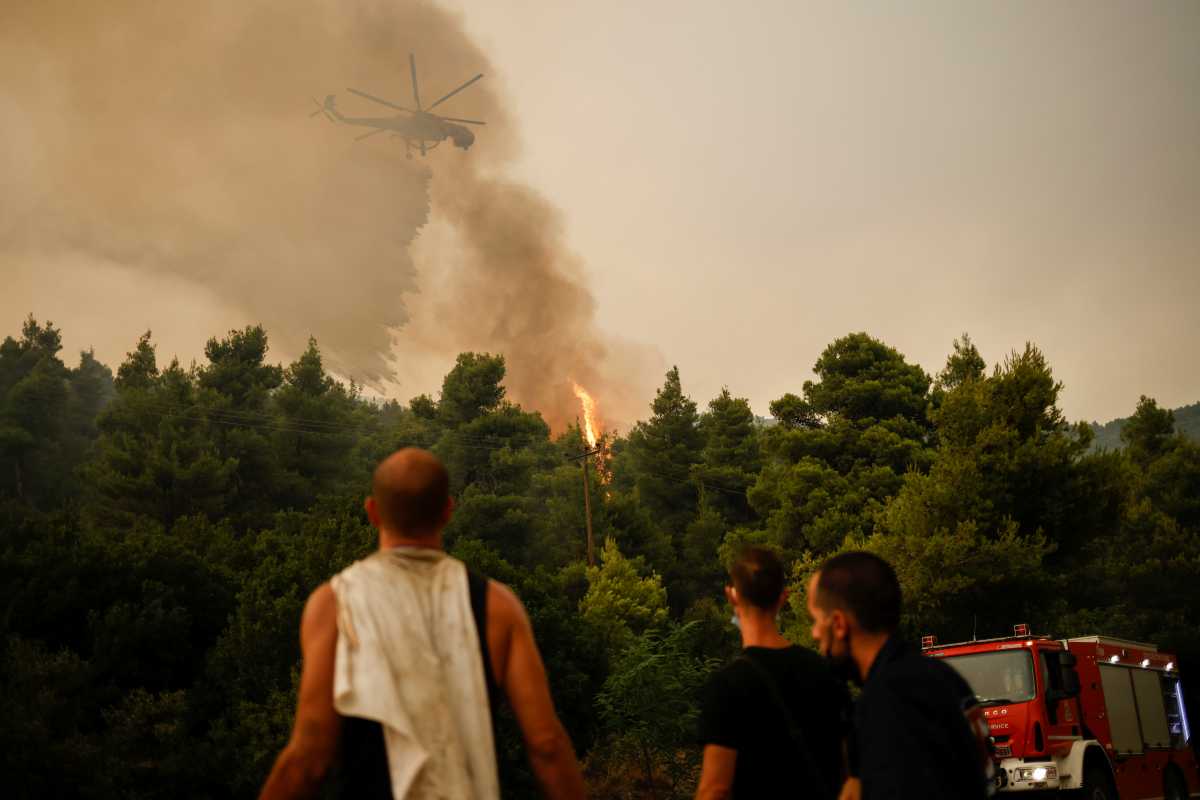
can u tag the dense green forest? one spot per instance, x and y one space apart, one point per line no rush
1108 435
161 528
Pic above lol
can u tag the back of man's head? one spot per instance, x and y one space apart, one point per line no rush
757 574
411 490
864 585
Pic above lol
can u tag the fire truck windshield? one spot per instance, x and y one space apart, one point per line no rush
998 677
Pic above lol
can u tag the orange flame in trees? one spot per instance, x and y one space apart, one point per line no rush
592 427
591 420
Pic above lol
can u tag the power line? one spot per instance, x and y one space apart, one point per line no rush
198 414
300 425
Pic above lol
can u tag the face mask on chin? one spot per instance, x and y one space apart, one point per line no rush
843 665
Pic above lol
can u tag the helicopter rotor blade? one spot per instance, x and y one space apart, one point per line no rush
412 65
456 91
368 135
380 100
468 121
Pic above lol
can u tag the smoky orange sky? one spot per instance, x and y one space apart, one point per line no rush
748 182
726 188
163 172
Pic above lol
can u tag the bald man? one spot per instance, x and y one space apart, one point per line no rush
368 638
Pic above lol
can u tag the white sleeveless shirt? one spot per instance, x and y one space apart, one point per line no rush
408 657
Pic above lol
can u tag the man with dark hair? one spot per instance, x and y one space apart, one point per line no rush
912 739
405 655
771 722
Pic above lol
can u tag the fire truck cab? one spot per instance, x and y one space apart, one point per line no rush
1095 713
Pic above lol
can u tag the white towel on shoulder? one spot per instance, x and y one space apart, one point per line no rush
408 656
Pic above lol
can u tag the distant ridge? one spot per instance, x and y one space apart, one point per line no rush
1108 435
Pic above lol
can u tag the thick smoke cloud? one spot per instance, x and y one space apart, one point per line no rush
166 147
512 285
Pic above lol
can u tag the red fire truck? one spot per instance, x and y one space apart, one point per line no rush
1097 714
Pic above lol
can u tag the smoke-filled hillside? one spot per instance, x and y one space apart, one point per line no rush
159 160
1108 435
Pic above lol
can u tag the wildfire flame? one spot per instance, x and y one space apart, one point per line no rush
591 420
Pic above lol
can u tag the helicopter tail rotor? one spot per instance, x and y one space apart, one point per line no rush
322 109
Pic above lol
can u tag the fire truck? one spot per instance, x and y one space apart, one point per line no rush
1095 713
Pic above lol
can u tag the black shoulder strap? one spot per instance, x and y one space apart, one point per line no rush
477 588
794 731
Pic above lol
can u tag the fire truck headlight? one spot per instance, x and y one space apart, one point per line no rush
1036 774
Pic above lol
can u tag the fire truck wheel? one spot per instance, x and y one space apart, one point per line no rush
1174 788
1096 784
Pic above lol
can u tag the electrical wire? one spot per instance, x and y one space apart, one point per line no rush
300 425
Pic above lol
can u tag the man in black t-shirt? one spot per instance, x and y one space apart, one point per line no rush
912 739
772 721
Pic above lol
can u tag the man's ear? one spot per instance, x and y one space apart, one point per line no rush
372 511
839 622
731 595
448 512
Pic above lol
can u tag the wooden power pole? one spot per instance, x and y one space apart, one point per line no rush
587 511
587 501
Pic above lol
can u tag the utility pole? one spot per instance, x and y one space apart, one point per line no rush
587 502
587 511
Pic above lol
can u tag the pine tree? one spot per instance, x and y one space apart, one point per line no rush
663 451
471 389
156 456
730 460
47 415
843 448
964 364
235 390
1147 434
314 436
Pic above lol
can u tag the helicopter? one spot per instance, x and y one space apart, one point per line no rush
419 128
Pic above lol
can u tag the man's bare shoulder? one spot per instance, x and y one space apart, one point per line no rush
320 611
503 604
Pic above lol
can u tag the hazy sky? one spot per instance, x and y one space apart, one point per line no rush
736 184
747 182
